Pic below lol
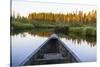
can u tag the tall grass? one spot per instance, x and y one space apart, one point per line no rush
88 31
21 26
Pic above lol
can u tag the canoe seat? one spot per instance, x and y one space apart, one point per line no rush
53 56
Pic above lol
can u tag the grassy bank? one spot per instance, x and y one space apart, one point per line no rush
88 30
21 26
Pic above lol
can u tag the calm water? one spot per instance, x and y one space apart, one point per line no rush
23 44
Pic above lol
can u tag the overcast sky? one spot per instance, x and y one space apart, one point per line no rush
24 7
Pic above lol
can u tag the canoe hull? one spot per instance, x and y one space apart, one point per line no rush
53 51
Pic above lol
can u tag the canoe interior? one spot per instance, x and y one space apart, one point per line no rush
52 51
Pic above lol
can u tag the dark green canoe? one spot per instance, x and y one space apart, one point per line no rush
52 51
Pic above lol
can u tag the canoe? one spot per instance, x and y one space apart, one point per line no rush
52 51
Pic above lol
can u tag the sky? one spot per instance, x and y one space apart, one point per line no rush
24 7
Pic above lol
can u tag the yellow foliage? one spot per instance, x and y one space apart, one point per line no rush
79 17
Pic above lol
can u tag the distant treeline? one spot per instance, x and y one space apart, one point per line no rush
74 23
77 17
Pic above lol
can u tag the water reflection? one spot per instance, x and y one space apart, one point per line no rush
46 33
25 42
83 49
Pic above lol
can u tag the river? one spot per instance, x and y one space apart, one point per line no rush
24 43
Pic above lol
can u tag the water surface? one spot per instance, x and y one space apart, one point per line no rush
23 44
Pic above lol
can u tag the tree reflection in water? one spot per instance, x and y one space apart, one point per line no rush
91 40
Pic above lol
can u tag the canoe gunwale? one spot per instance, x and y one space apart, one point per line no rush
70 51
33 53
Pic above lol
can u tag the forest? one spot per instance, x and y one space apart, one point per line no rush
75 23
